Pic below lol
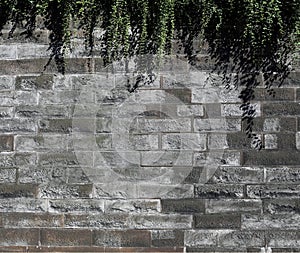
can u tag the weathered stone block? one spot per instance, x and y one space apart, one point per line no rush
8 175
283 239
66 237
209 191
23 205
41 142
283 175
56 159
273 191
133 206
190 110
165 191
242 175
19 236
241 239
162 221
6 143
27 220
8 52
271 157
107 221
55 125
64 191
167 238
233 206
18 190
162 125
200 238
44 82
281 206
183 205
217 141
17 125
126 238
192 141
6 112
217 125
270 222
281 94
217 158
278 109
42 175
167 158
217 221
76 205
6 82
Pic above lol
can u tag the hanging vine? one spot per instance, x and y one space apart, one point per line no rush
251 41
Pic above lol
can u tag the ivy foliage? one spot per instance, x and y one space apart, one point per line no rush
251 41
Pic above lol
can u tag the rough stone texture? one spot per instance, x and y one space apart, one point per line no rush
87 166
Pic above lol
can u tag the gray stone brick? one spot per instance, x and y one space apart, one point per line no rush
241 239
23 205
211 191
217 221
217 158
28 50
8 175
152 190
234 110
127 238
278 109
8 52
55 125
167 158
18 191
283 175
99 221
214 95
189 141
6 143
111 191
42 175
19 236
271 157
57 158
133 206
270 141
273 191
233 206
29 220
41 142
199 238
298 140
281 206
55 111
217 141
64 191
25 97
163 125
30 83
6 82
217 125
183 205
17 125
283 239
270 222
160 221
76 206
242 175
190 110
167 238
6 112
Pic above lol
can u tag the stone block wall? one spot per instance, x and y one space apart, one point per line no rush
87 166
